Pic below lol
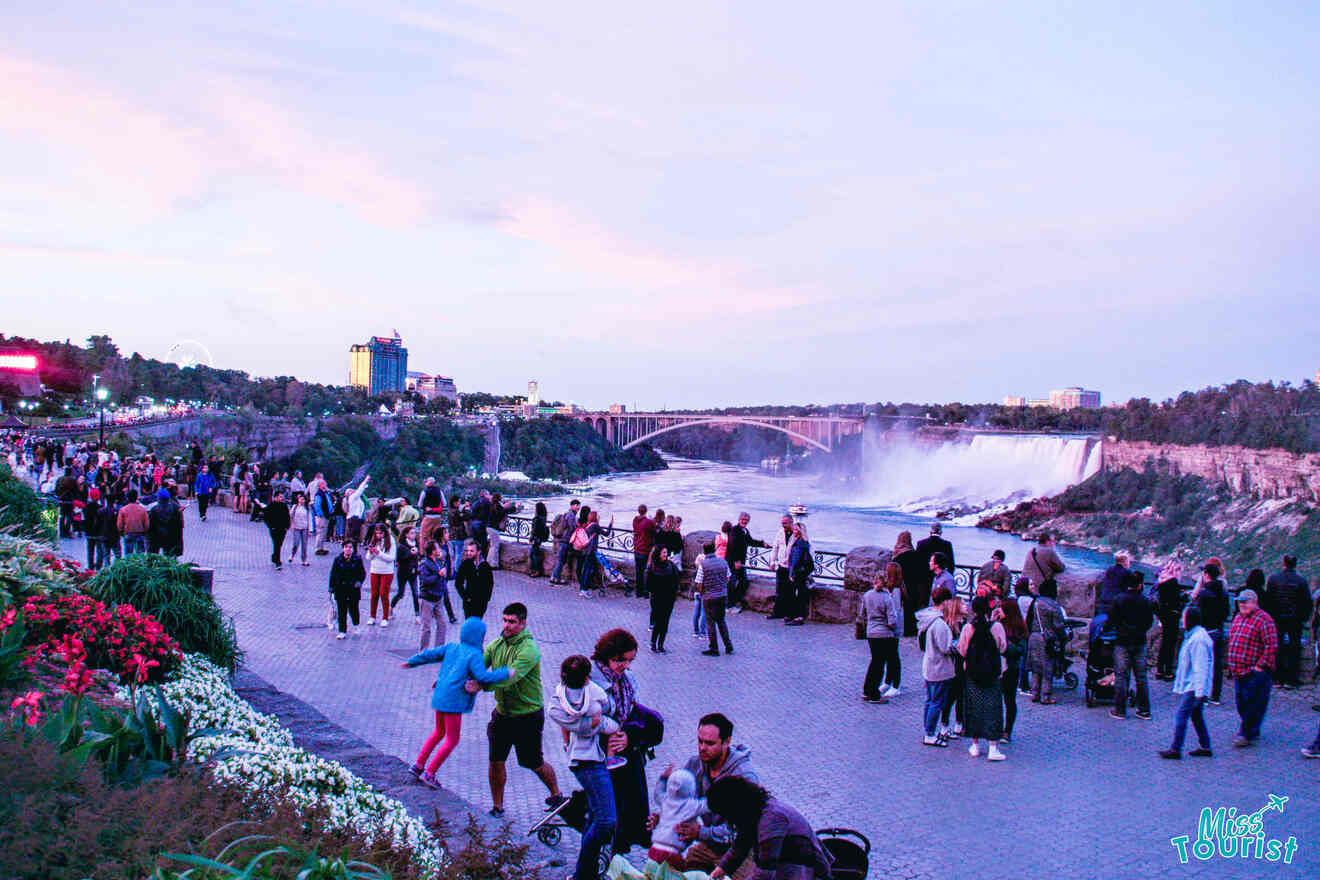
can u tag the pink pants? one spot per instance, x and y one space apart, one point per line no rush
447 727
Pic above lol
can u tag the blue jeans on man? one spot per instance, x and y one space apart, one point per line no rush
937 693
601 817
135 544
1253 698
1190 707
1127 657
563 554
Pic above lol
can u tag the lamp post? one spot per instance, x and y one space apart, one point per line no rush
101 395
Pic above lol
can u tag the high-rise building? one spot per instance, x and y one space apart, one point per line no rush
380 366
533 393
1074 398
1014 400
431 387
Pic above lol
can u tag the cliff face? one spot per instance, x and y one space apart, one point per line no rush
1265 473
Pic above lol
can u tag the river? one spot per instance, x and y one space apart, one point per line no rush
706 493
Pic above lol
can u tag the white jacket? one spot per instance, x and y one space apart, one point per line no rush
382 561
356 507
779 553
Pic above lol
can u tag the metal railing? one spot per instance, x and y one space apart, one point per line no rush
618 541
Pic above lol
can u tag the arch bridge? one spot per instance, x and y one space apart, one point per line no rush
627 430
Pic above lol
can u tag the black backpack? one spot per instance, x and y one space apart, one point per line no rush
982 663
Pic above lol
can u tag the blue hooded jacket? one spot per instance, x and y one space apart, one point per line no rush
459 661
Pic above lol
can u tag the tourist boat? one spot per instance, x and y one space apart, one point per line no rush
797 511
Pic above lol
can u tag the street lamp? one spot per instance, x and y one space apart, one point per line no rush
101 395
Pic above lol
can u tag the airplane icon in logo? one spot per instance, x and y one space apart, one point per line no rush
1276 803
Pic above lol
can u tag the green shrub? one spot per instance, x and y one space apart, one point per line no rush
22 512
164 588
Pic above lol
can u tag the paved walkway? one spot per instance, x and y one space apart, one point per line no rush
1080 792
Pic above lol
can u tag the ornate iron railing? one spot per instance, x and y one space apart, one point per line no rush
618 541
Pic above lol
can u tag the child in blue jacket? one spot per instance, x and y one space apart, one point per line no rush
459 661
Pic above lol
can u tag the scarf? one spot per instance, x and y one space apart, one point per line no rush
621 688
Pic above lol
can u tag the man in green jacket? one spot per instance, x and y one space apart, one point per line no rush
519 717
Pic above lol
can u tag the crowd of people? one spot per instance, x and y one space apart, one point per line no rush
980 650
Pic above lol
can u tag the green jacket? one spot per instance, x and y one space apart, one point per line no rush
521 694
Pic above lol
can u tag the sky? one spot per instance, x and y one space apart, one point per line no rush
687 204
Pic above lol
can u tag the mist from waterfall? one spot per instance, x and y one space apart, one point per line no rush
987 471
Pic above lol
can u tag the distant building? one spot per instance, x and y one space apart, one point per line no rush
1038 402
617 409
380 366
533 393
1010 400
1074 398
431 387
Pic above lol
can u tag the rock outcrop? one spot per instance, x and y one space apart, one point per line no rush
1266 473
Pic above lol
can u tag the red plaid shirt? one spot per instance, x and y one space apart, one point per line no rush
1252 641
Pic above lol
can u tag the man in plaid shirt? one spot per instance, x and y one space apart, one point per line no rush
1252 643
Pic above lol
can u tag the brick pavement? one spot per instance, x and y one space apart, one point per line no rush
1080 791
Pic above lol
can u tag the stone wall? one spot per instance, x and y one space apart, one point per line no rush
1265 473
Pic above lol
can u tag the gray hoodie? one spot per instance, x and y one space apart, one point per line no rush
883 613
937 663
714 829
674 800
573 709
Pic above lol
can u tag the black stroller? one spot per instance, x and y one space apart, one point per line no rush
849 849
1100 665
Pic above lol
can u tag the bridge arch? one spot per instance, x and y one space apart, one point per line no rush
728 420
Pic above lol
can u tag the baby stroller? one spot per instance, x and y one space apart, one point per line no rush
1100 666
852 860
572 813
1062 665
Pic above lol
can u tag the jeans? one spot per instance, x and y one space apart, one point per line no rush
883 667
203 501
714 609
698 616
276 545
455 556
1289 654
1128 658
93 553
1008 686
602 817
409 582
135 544
1170 637
737 585
1221 649
586 569
937 693
299 544
639 563
662 607
536 559
1253 698
801 598
321 527
953 703
563 553
783 595
432 617
1190 706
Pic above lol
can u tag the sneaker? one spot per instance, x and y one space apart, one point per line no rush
697 635
995 754
933 741
384 623
615 762
974 750
1241 742
1113 714
496 812
357 630
1171 754
1308 752
892 692
735 610
957 730
876 701
554 802
1213 702
417 620
416 770
1204 753
428 779
584 594
1005 739
710 653
797 621
1144 716
371 621
341 636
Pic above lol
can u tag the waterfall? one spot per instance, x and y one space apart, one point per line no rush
920 474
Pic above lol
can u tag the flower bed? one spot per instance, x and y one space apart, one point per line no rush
28 568
86 635
258 754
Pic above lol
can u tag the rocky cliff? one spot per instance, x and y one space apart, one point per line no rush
1264 473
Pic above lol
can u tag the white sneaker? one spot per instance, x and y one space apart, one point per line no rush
341 636
584 594
974 750
995 754
893 692
417 620
384 623
929 740
357 630
371 621
957 730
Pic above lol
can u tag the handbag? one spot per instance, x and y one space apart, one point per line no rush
859 630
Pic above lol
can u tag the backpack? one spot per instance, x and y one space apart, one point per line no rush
580 538
560 529
982 663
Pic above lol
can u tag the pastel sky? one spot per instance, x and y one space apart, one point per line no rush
683 204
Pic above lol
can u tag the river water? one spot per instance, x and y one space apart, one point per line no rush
707 493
